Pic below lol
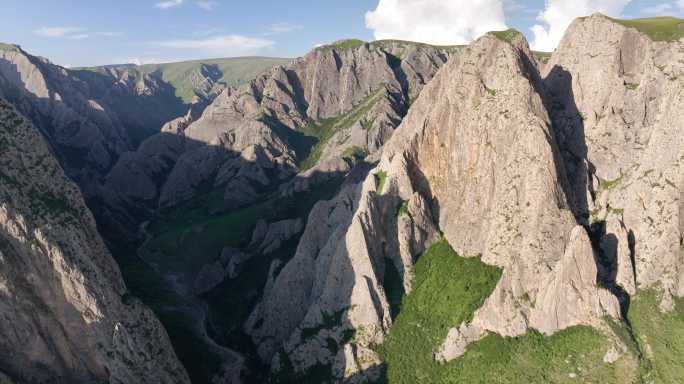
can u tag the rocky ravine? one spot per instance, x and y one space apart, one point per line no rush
65 313
92 117
248 142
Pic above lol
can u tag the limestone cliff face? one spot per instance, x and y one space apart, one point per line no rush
617 98
476 157
251 139
488 156
65 313
569 180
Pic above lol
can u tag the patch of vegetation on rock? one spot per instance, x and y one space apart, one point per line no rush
507 35
322 131
347 44
610 184
354 153
380 179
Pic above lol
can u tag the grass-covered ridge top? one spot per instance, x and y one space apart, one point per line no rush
346 44
663 28
507 35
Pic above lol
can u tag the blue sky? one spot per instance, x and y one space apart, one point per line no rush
80 32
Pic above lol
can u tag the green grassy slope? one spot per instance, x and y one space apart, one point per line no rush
322 131
447 290
663 28
542 57
660 336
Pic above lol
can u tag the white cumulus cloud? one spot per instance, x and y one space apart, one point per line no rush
225 45
558 14
442 22
169 4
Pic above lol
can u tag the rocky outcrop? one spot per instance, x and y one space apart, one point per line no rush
617 101
476 156
66 315
568 180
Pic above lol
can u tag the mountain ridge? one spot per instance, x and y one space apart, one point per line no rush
309 225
